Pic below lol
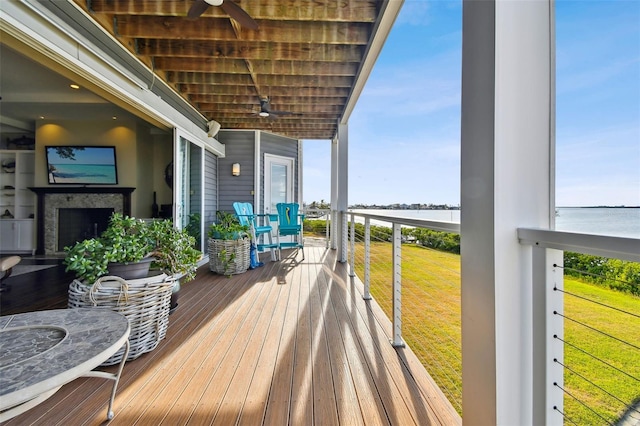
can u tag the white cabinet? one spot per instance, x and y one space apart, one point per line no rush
17 201
17 235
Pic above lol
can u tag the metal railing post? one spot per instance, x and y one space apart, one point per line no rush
367 259
326 227
353 246
397 286
548 379
334 229
343 242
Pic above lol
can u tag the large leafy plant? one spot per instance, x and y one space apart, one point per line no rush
174 251
125 240
130 240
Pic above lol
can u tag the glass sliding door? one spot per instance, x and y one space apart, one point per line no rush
188 188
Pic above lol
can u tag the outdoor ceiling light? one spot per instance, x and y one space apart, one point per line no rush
263 114
214 2
235 169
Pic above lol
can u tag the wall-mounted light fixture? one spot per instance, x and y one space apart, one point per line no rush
235 169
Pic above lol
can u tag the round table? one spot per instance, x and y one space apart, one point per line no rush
44 350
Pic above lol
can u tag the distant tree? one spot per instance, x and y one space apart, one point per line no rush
68 151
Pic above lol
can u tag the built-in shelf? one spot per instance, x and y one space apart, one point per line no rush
17 203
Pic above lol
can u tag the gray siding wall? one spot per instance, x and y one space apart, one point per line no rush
195 186
210 192
282 146
239 148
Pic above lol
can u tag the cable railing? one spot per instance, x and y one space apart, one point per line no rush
593 328
584 335
602 352
426 312
317 225
586 359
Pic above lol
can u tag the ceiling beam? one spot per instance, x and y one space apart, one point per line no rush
236 66
170 27
246 50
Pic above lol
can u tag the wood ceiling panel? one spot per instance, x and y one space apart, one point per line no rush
173 27
304 56
294 10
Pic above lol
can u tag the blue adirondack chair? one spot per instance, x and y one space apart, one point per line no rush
290 224
247 217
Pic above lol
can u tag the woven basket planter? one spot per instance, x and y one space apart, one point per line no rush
145 302
228 257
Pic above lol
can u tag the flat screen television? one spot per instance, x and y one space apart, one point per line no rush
82 165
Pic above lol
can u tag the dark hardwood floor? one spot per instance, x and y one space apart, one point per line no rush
37 290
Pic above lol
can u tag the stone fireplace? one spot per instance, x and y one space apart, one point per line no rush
86 206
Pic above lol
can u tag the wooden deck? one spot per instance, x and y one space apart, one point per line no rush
291 342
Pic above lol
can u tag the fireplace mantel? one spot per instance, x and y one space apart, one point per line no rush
44 191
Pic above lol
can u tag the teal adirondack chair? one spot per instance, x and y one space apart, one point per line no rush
247 217
290 224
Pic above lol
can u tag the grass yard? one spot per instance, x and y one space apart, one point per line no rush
431 326
624 326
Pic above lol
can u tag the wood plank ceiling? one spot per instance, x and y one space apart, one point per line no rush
304 57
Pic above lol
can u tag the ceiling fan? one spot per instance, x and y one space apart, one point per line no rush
233 10
266 111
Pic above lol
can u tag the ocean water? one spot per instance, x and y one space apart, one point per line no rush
619 222
85 173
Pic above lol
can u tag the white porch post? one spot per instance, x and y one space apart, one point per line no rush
334 193
342 188
506 182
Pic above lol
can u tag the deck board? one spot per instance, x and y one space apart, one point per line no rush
291 342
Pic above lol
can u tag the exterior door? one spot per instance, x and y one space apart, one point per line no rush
278 181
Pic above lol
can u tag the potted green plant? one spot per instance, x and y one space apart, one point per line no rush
125 246
227 227
228 245
147 301
174 254
132 242
174 250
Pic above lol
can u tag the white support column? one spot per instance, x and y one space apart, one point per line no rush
334 194
342 202
506 182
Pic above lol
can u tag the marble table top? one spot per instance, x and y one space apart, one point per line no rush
41 351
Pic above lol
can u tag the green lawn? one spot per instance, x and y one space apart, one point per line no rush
431 326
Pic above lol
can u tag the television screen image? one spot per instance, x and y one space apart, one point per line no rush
82 165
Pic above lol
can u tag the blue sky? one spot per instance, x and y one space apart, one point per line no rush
404 135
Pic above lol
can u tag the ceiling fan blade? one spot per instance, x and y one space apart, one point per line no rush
282 113
197 8
237 13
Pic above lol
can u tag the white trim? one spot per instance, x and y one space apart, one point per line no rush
300 180
290 163
257 176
